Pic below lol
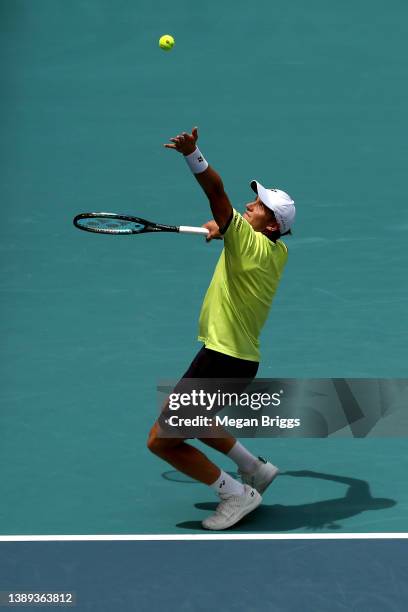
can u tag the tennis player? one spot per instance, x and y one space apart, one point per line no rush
233 313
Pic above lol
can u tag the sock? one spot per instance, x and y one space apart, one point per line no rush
225 486
245 461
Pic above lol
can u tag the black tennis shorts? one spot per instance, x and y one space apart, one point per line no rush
212 364
214 372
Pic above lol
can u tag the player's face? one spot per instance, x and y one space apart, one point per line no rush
258 215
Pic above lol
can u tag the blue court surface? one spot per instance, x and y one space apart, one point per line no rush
288 576
310 97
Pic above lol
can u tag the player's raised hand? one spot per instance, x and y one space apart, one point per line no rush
184 143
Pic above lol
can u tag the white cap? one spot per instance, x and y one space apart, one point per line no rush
279 202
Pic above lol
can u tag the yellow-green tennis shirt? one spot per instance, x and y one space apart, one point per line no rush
241 291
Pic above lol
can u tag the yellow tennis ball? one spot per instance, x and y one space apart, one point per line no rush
166 42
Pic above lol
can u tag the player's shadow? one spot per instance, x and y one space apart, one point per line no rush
314 516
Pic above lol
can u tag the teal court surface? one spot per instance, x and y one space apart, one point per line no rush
311 99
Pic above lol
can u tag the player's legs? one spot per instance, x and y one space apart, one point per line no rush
183 456
218 365
211 364
207 364
237 499
222 445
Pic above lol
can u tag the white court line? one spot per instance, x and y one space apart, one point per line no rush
204 536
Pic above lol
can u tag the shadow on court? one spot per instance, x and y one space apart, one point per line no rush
314 516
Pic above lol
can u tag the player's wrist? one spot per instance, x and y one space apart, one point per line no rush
190 151
196 161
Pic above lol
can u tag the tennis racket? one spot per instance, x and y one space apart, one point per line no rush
112 223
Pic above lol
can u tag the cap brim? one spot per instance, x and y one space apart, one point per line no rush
263 194
254 186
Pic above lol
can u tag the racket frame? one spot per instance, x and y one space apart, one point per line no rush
150 226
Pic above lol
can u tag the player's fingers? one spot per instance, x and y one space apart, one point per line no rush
170 146
194 132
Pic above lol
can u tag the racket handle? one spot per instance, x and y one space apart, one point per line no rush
186 229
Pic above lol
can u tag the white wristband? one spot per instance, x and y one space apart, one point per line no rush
196 161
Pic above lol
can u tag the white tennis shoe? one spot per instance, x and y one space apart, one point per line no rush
232 509
262 477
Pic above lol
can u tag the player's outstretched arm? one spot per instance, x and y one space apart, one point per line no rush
208 178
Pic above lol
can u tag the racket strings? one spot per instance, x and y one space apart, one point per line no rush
114 226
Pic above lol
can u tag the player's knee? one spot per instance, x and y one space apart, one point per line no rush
155 444
160 446
152 441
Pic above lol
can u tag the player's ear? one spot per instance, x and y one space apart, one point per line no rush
273 226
